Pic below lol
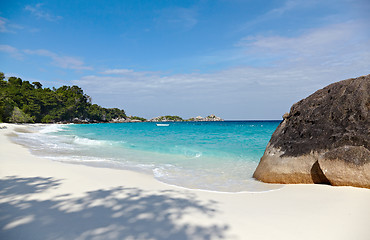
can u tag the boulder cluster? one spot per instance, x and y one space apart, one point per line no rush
325 138
168 118
87 121
210 118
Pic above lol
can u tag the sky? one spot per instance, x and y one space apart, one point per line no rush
237 59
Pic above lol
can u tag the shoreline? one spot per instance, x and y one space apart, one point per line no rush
85 149
69 201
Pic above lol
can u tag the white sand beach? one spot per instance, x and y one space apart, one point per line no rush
44 199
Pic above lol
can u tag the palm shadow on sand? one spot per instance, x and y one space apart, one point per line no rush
118 213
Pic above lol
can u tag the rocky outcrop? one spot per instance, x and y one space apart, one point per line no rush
210 118
319 139
167 118
118 120
80 121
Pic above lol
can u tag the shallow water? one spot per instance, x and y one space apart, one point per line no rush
216 156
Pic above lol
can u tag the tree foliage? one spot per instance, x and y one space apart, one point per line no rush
21 101
170 118
138 118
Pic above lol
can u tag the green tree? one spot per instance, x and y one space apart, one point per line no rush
21 101
37 85
2 76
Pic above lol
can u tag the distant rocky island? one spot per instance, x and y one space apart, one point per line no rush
169 118
324 139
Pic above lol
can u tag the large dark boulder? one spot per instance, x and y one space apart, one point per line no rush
328 123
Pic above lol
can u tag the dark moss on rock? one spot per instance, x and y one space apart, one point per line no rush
358 156
334 116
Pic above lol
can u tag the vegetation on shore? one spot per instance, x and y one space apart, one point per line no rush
169 118
136 118
25 102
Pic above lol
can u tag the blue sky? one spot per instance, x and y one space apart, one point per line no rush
238 59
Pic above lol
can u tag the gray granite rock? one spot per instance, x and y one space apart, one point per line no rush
333 117
347 166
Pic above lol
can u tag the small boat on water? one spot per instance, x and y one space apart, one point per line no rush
163 124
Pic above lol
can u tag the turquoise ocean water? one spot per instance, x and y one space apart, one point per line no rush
216 156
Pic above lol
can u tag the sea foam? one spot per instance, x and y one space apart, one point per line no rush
87 141
51 128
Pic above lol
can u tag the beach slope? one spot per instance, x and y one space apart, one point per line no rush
43 199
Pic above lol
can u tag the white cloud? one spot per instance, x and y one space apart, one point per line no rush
178 18
7 27
12 51
40 13
118 71
334 45
316 39
3 27
66 62
298 66
286 7
185 17
129 72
